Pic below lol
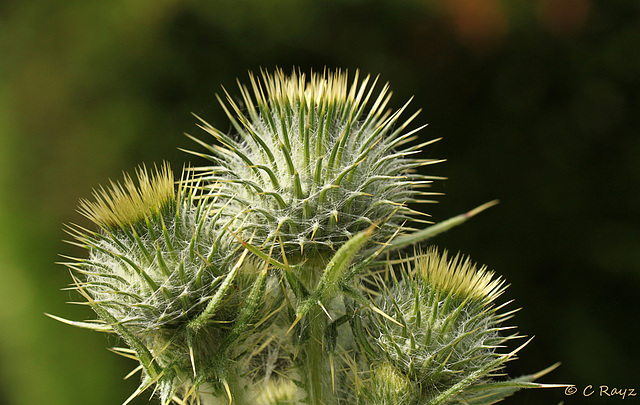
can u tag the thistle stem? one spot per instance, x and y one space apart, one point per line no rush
317 367
317 362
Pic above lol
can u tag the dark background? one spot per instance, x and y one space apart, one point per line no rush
537 103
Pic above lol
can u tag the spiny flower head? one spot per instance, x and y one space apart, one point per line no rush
315 161
447 330
458 276
165 274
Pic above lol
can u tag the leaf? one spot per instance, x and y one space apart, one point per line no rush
490 393
335 270
216 300
436 229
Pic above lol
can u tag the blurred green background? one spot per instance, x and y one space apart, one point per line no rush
537 102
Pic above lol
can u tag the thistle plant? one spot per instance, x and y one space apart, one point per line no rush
290 268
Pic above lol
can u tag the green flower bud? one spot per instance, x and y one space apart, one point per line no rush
313 163
165 274
387 386
447 331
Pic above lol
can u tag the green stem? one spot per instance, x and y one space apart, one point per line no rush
317 368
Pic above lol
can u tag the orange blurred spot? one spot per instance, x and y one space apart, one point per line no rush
479 23
564 16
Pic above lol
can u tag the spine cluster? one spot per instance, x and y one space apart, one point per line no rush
278 273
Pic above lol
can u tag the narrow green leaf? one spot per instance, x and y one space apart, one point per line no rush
493 392
216 300
335 270
436 229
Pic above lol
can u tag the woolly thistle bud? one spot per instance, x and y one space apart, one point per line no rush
447 331
162 273
387 386
311 164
